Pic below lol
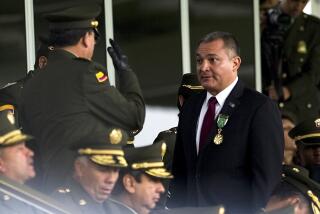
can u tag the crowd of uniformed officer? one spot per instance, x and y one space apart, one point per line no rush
81 123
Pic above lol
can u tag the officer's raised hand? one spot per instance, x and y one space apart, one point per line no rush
120 61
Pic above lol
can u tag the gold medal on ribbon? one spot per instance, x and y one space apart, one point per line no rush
218 138
221 122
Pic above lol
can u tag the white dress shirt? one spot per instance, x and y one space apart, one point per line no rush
221 98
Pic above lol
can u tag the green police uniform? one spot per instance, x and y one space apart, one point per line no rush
188 87
73 97
300 66
10 135
307 136
105 150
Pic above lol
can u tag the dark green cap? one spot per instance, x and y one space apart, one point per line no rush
9 134
148 159
104 147
189 84
307 132
299 178
82 16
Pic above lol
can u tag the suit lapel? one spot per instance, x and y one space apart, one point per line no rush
231 103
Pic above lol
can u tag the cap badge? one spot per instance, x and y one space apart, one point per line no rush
94 23
115 136
11 117
163 149
302 47
221 122
317 122
101 77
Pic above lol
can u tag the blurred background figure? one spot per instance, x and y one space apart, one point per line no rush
297 193
307 138
10 94
264 6
290 51
288 123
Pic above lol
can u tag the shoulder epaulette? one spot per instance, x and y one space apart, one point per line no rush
82 59
8 85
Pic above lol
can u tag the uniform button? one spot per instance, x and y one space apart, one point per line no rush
301 28
281 105
309 105
284 75
301 59
82 202
299 70
6 197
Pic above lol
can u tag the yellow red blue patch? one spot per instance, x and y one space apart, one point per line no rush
101 77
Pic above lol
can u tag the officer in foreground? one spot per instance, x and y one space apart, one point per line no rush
72 97
140 185
96 169
296 193
307 138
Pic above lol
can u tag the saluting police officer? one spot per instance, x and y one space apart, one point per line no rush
72 97
291 58
96 169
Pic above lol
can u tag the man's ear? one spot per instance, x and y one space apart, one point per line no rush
236 63
85 40
78 167
129 183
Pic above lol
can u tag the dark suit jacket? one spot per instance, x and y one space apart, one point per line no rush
72 98
241 172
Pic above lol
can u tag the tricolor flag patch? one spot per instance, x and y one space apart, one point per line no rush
101 77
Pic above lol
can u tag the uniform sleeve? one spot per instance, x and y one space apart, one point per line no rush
123 107
267 144
309 78
306 65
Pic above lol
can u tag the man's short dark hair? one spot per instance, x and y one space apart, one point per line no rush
230 42
63 37
136 174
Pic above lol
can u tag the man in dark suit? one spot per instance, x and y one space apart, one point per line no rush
228 151
72 97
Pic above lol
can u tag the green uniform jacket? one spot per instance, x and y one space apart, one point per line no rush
301 67
75 198
72 98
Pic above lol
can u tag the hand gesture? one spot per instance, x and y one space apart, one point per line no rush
120 61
